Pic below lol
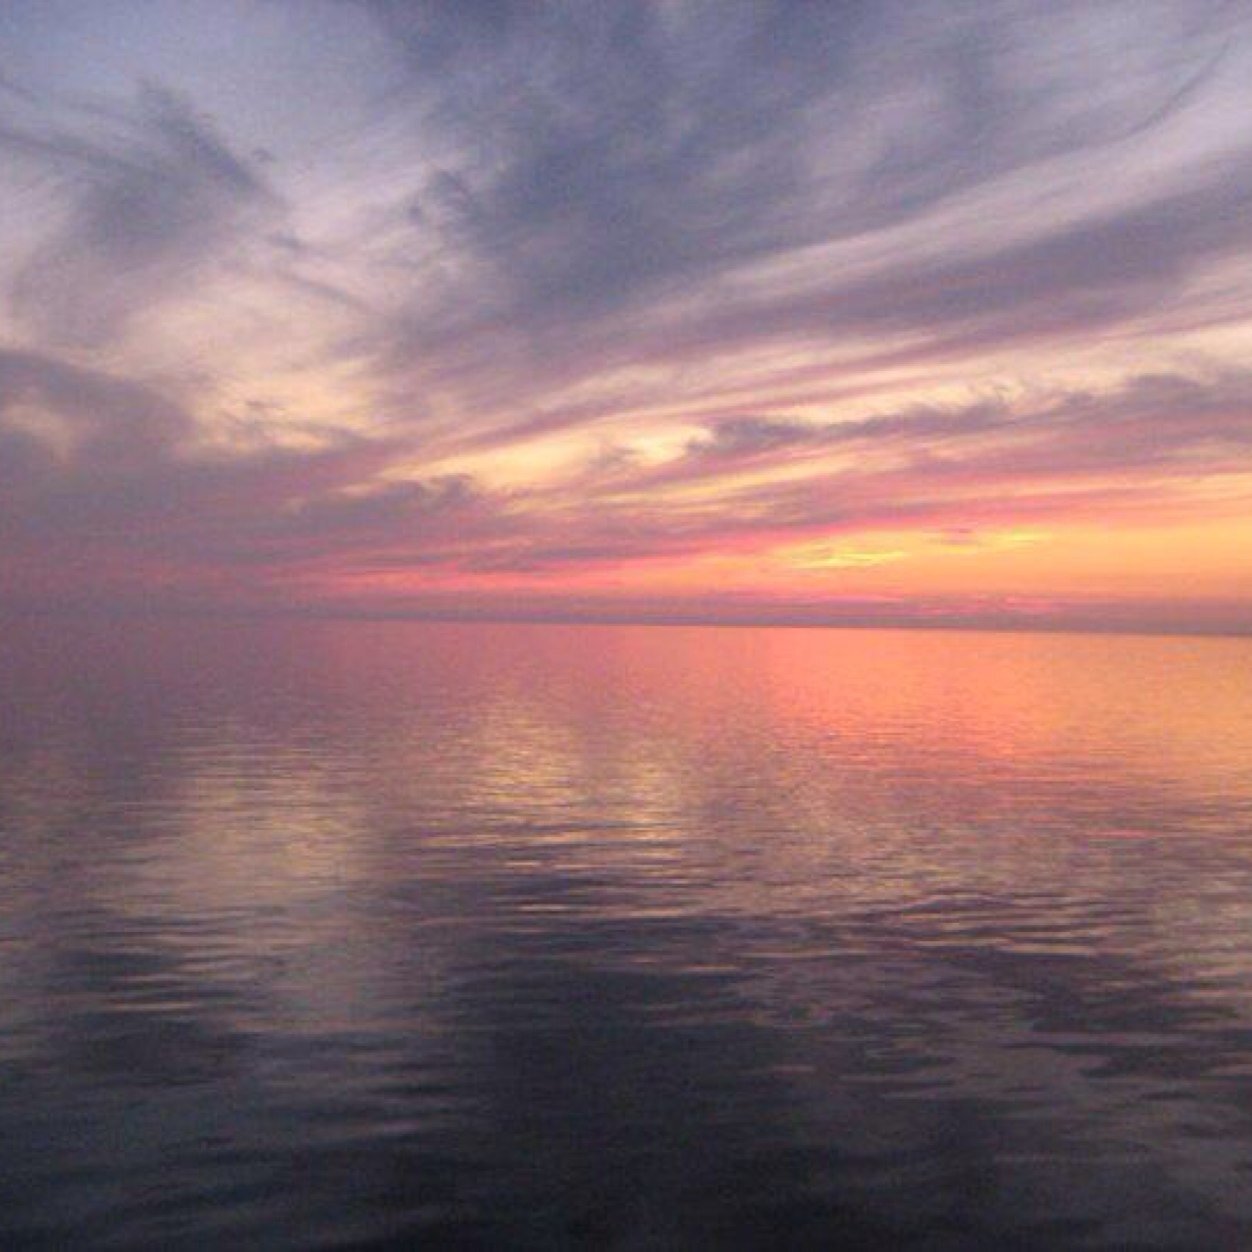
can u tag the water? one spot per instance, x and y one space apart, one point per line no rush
392 935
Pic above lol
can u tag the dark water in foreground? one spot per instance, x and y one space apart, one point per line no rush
351 936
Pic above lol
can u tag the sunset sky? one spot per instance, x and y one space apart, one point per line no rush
846 312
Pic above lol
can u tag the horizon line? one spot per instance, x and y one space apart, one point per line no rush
469 617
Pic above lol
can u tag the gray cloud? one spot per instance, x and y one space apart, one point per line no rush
1176 426
1152 415
610 170
153 195
739 439
60 413
90 462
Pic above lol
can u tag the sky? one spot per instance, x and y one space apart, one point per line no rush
861 312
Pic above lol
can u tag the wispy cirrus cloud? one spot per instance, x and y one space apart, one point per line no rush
502 295
623 185
147 196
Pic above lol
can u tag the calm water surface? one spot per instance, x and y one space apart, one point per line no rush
391 935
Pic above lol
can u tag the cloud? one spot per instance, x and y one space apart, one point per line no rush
1148 418
152 196
93 463
93 466
59 413
562 290
613 184
750 438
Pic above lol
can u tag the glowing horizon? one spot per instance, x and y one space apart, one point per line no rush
671 311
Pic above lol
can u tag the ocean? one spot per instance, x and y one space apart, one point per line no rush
389 935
